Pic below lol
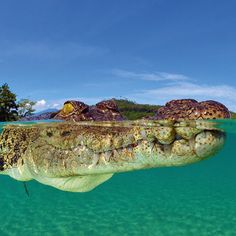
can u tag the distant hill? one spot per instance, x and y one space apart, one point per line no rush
46 111
132 110
233 115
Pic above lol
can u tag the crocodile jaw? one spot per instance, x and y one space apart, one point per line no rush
141 154
80 157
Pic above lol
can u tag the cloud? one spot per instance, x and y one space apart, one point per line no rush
177 86
154 76
58 103
40 105
187 89
222 93
173 86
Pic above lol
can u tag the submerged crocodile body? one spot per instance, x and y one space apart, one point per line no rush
79 156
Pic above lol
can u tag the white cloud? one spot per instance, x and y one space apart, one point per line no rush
176 86
155 76
222 93
58 103
40 105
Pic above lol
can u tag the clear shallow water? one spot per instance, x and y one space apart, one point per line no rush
198 199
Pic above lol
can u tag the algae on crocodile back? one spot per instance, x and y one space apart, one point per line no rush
79 156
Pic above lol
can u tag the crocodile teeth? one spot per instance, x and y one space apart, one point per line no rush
167 149
117 142
102 159
107 155
95 160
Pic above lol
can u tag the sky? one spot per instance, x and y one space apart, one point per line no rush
148 51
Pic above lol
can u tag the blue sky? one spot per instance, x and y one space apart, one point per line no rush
147 51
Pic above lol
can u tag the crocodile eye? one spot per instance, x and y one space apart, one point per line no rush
67 109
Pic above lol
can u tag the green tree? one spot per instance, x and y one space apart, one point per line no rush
25 107
233 115
132 110
8 106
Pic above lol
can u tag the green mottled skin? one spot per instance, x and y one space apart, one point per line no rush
80 156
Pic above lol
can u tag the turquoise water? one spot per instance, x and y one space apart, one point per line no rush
198 199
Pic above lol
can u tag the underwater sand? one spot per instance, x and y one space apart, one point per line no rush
198 199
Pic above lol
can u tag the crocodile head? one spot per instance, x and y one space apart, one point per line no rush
80 156
106 110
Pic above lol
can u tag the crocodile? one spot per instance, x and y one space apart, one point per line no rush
72 110
191 109
78 156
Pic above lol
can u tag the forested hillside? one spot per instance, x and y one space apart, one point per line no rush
132 110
